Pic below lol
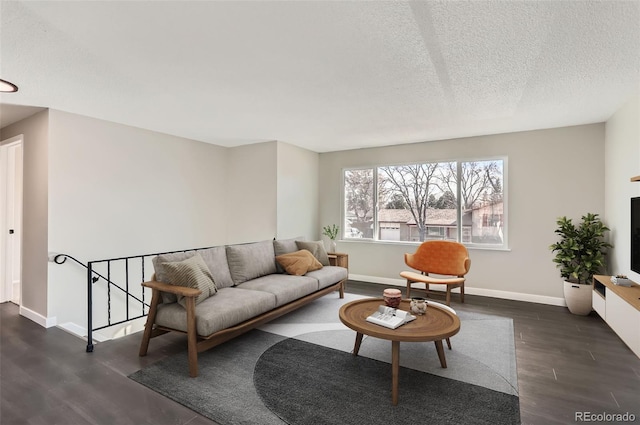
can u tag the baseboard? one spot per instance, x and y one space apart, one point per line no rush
516 296
81 332
493 293
45 322
374 279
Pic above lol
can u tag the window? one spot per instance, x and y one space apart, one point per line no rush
358 203
454 200
490 220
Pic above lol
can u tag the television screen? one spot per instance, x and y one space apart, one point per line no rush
635 234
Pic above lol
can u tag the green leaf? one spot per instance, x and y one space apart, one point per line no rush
580 251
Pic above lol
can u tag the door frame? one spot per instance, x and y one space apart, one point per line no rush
7 255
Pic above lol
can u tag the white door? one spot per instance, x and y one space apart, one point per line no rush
11 219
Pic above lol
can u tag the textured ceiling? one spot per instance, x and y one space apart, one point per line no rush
327 75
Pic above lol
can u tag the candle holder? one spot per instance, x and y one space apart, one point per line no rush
392 297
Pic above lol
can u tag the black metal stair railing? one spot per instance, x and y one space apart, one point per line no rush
136 262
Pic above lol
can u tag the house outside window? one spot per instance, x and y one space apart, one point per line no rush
455 200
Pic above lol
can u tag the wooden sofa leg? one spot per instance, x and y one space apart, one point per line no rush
192 336
148 327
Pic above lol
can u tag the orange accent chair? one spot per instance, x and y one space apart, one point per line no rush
445 258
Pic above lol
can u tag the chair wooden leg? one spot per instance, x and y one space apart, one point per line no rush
426 288
192 337
148 327
408 289
462 293
448 302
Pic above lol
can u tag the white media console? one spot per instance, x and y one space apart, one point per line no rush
619 306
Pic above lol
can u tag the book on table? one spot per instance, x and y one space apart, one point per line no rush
390 317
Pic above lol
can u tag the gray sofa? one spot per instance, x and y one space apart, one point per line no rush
250 288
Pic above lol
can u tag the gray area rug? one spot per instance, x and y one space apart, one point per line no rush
482 363
308 384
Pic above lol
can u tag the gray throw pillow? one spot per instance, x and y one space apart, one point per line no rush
251 260
161 274
216 259
285 246
192 273
317 249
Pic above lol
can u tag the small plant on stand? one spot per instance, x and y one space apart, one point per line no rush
332 233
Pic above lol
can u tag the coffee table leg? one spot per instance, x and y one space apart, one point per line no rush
356 347
440 349
395 370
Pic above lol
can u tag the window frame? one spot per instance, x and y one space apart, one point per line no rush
460 232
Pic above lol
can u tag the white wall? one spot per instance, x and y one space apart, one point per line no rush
550 173
298 192
622 161
272 192
117 191
35 210
98 190
110 183
251 202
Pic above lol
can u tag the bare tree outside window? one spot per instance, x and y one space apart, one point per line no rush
478 181
481 187
417 189
481 199
418 202
359 196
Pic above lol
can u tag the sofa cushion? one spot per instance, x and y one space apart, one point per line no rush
317 249
161 275
285 246
299 262
216 260
328 275
229 307
252 260
286 288
192 273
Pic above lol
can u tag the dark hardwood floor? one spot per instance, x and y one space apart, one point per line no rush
566 364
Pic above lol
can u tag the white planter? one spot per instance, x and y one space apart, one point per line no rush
578 298
330 246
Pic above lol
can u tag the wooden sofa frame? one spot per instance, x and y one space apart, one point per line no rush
197 343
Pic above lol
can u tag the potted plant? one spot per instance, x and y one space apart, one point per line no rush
580 253
332 233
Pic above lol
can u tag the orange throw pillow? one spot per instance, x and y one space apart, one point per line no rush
299 263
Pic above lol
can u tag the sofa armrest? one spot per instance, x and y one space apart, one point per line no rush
173 289
339 259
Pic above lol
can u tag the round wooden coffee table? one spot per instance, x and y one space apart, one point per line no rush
435 325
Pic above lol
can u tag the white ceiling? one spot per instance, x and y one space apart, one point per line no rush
324 75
